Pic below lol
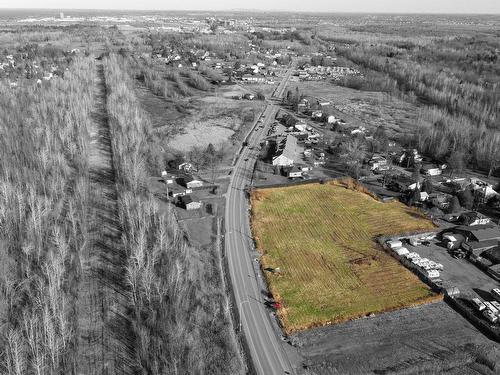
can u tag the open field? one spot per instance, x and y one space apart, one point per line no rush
428 339
331 269
366 108
215 121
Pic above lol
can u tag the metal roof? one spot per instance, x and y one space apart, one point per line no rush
482 232
290 148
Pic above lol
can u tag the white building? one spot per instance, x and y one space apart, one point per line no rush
286 153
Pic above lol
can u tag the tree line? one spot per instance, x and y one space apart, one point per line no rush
176 309
457 115
43 217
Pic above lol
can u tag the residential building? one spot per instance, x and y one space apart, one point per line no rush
294 172
431 170
286 153
189 182
188 203
473 218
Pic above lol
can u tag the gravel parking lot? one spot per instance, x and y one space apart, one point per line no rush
459 273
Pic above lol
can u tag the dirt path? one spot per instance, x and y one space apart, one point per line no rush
105 345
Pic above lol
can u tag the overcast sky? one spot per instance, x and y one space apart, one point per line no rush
393 6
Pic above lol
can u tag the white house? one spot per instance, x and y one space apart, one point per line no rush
186 166
189 203
430 170
194 184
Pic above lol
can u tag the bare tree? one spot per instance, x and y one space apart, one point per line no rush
353 152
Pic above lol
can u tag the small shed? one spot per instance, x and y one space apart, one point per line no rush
393 244
294 172
401 251
452 291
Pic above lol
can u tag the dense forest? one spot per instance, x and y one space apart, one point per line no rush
44 205
163 308
178 320
455 81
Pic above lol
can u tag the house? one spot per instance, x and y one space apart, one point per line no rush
189 202
377 161
410 157
473 239
440 200
169 179
294 172
286 152
253 78
403 183
316 115
482 189
430 170
478 232
176 190
186 167
473 218
189 182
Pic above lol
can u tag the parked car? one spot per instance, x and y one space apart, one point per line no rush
490 307
496 305
490 316
480 306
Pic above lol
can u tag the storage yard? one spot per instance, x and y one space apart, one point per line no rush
439 261
327 268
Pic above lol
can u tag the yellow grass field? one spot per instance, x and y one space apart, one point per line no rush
322 237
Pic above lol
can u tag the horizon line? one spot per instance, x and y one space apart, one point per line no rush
255 10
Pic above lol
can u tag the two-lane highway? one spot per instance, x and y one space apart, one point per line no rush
266 348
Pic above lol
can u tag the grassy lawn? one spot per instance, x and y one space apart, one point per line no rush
322 239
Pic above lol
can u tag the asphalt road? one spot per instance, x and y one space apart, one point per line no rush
266 347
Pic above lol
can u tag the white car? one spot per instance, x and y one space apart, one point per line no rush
433 274
490 316
496 305
480 306
413 256
490 307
